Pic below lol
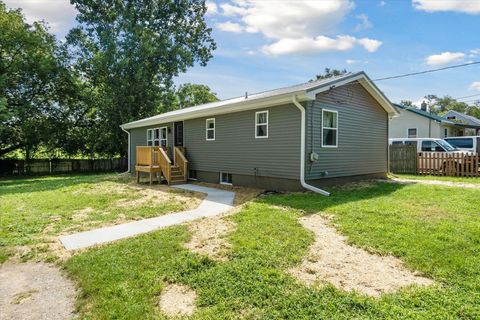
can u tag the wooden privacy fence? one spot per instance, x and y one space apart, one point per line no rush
403 158
52 166
406 159
448 164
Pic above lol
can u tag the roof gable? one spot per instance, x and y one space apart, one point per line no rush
302 92
471 120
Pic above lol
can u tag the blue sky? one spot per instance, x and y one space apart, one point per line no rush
273 43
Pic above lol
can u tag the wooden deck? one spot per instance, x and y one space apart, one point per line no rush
156 162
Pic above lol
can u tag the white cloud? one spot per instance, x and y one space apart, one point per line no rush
296 26
371 45
444 58
382 3
364 22
59 14
475 86
318 44
465 6
230 27
353 61
212 8
474 53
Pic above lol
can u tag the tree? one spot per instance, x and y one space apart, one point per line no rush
189 95
329 73
31 75
128 52
407 103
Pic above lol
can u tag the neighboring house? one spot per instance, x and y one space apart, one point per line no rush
470 124
412 122
333 128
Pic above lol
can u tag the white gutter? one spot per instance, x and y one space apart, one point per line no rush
302 152
128 154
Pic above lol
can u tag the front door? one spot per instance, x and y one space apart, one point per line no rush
178 134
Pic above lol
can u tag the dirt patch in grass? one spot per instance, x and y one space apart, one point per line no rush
331 259
209 237
177 300
34 291
242 194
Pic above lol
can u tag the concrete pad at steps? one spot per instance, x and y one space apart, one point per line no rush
216 202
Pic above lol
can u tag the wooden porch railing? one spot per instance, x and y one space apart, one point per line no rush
165 164
180 161
151 160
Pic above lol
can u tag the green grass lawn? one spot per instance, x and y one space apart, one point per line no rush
438 178
34 211
433 229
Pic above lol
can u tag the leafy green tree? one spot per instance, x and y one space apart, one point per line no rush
190 94
128 52
407 103
329 73
31 75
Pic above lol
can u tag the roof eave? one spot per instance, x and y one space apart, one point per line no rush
222 109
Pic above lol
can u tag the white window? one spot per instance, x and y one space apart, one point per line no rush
210 129
225 178
412 133
163 137
261 124
445 132
157 137
329 128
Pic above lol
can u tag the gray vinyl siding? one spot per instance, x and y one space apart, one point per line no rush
237 151
362 134
138 137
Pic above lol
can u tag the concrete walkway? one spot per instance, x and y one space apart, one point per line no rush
216 202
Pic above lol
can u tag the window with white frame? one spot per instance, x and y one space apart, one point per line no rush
412 133
445 132
329 128
261 124
210 129
163 137
225 178
157 137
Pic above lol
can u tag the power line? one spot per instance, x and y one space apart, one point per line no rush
427 71
465 97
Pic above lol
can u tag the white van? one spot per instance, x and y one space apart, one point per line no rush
470 143
427 144
433 146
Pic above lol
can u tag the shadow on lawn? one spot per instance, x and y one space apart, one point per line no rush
19 185
310 202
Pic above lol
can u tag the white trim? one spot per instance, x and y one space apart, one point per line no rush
302 151
416 133
128 151
260 124
330 128
226 183
207 129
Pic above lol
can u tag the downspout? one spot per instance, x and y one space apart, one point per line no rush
302 152
128 154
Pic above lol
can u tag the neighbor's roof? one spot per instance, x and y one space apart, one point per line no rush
303 92
471 120
423 113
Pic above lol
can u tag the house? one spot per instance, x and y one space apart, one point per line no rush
412 122
470 124
291 138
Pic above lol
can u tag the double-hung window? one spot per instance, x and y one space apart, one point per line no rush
412 133
261 124
210 129
157 137
329 128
